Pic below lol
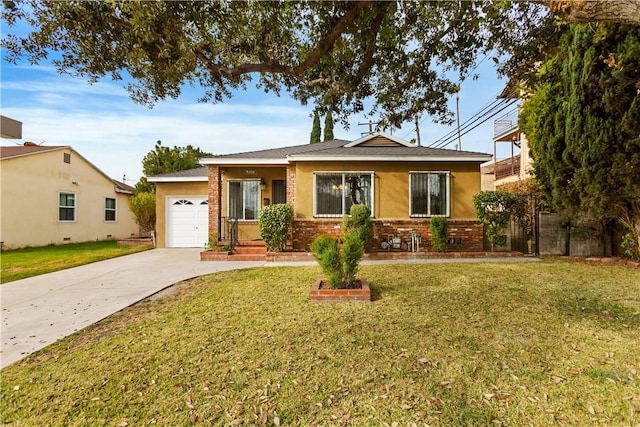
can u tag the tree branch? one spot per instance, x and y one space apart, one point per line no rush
367 61
582 11
324 45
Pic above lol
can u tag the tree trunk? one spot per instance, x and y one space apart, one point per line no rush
580 11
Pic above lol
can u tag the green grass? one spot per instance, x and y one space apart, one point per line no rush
22 263
535 344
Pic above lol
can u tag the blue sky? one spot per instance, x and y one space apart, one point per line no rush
105 126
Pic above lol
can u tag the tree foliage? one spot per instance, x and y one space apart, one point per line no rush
406 57
328 127
143 207
163 160
315 129
583 122
493 209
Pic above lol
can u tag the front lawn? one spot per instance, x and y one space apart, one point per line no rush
531 344
22 263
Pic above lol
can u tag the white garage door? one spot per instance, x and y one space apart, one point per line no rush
187 222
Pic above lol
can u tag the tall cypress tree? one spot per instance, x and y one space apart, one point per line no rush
328 127
315 129
582 121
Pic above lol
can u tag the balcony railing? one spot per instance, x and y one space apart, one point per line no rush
503 168
507 167
506 123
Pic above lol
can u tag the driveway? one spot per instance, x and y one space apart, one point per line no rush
40 310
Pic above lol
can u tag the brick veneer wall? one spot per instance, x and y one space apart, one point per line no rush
464 236
291 184
214 195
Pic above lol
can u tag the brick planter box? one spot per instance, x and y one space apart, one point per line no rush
214 255
322 293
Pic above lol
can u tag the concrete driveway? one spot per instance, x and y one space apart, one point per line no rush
40 310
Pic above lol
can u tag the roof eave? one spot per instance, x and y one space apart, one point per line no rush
379 158
242 161
177 178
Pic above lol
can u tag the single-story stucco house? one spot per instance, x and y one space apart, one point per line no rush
404 185
53 195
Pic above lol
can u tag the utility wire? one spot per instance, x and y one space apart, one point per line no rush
487 112
454 137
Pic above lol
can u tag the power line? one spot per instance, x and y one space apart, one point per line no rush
443 142
487 110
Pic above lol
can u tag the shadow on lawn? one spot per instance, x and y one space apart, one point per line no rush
608 313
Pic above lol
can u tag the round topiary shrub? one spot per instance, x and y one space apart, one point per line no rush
274 221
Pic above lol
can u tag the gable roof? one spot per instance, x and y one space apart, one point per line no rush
121 187
374 147
25 150
16 151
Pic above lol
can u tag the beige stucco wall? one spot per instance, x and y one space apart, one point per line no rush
29 202
172 189
391 188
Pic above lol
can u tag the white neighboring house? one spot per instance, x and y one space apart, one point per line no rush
53 195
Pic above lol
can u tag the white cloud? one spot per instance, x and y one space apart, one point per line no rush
104 125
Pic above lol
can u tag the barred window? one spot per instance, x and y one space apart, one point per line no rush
429 194
336 192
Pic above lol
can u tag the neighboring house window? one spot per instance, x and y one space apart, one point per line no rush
278 191
66 206
109 209
66 157
335 192
244 199
429 194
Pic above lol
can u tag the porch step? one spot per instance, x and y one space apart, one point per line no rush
249 251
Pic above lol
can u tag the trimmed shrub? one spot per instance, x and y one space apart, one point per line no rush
274 221
326 251
438 225
339 262
359 222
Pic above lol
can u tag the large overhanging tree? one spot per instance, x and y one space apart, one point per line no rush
406 57
334 54
402 57
583 123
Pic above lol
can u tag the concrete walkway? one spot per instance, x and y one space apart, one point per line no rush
40 310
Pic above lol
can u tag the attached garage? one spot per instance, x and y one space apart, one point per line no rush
182 210
187 222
